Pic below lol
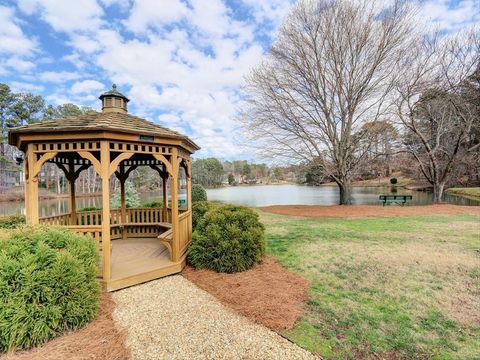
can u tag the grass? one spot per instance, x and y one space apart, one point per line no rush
472 192
403 287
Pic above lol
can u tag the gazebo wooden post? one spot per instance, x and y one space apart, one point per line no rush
105 175
165 199
31 187
73 204
123 206
175 220
189 186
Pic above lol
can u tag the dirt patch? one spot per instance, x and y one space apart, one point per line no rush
99 339
267 294
357 211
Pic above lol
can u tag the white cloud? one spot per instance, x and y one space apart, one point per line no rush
66 16
121 3
449 16
19 65
75 59
13 40
18 86
84 43
86 86
58 76
153 13
272 10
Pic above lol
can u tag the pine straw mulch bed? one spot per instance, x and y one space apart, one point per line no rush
98 340
267 294
352 211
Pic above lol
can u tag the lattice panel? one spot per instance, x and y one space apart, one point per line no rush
140 148
64 147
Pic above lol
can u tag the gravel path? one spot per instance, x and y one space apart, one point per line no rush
171 318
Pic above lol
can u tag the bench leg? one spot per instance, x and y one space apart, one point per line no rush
169 248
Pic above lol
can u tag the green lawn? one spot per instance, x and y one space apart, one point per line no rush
404 287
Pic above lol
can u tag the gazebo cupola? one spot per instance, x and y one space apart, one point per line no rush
114 101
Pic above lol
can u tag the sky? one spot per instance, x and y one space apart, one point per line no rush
181 62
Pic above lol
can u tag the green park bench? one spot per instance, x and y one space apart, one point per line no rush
395 199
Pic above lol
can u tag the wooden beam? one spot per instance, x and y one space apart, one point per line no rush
104 171
73 204
45 157
63 168
31 187
189 191
130 169
96 164
80 169
175 219
123 206
165 200
114 164
163 159
162 173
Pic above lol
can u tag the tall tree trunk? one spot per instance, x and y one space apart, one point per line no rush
59 179
345 188
438 192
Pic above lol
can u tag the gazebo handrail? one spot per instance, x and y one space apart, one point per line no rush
143 215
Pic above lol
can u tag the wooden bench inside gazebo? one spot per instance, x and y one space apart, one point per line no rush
135 244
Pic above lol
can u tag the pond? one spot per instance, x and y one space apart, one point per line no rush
255 195
264 195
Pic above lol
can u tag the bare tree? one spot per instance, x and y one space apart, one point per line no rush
436 104
330 71
381 143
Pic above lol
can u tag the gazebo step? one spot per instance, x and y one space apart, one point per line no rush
155 273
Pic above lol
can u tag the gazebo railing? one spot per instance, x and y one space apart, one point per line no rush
94 217
147 215
62 219
185 230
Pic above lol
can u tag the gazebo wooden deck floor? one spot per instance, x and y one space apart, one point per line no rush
136 258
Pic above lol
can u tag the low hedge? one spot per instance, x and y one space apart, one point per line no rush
227 239
11 221
47 284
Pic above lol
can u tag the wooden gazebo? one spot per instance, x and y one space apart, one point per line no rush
135 244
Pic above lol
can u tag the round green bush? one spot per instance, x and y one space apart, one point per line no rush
199 209
227 239
11 221
393 181
47 284
198 193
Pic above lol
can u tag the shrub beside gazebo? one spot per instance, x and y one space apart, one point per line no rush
135 244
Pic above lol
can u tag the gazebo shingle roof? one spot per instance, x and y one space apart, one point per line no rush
99 121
